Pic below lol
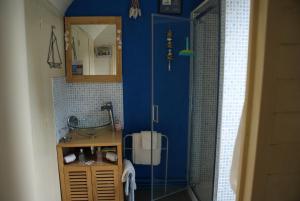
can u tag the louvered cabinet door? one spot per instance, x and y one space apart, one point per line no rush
78 183
105 183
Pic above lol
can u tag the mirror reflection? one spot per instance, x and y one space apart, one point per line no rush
94 49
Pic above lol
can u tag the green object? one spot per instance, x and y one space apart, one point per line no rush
186 51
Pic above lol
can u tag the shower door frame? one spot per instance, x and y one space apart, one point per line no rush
153 107
197 13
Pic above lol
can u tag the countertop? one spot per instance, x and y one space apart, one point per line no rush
103 137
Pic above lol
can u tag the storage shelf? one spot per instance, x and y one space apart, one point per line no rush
103 163
105 138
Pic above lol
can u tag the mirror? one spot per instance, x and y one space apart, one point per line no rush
93 48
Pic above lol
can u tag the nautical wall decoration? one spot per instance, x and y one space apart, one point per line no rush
54 58
135 10
170 55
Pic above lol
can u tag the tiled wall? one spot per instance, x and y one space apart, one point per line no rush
60 106
234 55
84 101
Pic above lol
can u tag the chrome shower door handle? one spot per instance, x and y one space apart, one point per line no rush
155 113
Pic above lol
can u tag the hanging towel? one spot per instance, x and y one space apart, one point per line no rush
236 159
142 156
146 140
128 176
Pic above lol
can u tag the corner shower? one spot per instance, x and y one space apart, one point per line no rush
184 97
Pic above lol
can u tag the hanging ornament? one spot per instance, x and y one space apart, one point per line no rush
53 51
170 55
119 39
67 40
135 10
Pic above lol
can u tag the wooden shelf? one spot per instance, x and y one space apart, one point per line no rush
104 163
103 137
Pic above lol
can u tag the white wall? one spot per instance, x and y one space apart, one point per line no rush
17 168
28 156
82 42
40 16
106 65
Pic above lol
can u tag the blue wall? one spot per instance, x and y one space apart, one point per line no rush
137 67
171 93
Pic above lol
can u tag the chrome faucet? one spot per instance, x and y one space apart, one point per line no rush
109 107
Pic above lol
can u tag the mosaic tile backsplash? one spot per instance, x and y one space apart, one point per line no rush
84 100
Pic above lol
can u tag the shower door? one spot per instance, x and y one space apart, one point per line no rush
204 101
170 104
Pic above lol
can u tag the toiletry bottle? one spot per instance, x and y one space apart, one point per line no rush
81 156
92 150
99 154
118 126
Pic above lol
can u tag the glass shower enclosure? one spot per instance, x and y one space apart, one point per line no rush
204 102
170 104
185 93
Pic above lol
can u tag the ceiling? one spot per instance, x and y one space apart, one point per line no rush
93 30
61 5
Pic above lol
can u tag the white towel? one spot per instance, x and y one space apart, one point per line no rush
113 157
146 140
142 156
70 158
128 176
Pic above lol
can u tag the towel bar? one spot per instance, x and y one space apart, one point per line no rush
163 148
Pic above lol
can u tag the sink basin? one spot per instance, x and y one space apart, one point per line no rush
92 131
88 126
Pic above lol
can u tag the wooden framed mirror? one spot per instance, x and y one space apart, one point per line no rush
93 49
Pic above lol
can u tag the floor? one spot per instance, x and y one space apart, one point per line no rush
203 191
181 196
145 194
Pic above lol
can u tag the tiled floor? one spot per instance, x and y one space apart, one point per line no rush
181 196
144 195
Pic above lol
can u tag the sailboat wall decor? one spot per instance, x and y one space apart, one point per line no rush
54 58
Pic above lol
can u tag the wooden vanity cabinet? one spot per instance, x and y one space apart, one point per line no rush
105 183
78 183
95 182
